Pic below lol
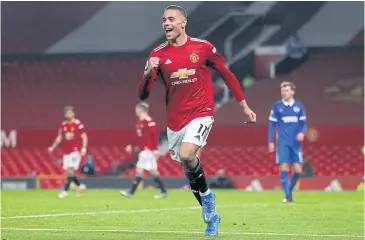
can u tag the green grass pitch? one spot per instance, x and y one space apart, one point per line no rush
105 214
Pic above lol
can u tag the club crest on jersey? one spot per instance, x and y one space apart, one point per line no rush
183 73
194 58
296 109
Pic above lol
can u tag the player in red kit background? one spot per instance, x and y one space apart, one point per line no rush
147 142
73 136
183 63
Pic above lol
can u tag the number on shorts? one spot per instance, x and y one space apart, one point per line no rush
203 130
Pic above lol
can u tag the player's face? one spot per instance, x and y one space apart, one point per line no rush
69 115
287 93
138 111
173 23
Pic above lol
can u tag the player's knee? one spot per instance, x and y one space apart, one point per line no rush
187 159
154 172
284 167
188 151
70 170
298 169
139 171
186 154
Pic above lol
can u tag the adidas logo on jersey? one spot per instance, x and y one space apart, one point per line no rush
197 137
168 61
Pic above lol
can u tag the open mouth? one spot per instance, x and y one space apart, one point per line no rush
167 30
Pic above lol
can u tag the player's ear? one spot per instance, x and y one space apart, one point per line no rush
183 23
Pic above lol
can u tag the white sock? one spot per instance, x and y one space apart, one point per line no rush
205 193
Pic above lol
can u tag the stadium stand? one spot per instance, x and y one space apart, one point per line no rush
236 160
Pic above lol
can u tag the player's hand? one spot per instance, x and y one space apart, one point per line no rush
50 149
251 114
271 147
83 151
153 63
300 137
128 148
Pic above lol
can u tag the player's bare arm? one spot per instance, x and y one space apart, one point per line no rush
84 143
56 142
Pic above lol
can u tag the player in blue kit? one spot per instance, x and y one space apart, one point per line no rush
288 118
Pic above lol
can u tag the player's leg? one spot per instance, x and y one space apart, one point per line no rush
183 147
141 165
175 140
297 169
153 169
74 165
66 166
194 187
282 158
156 177
136 181
193 168
196 134
195 173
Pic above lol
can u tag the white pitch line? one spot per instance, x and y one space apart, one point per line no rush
104 212
154 210
184 232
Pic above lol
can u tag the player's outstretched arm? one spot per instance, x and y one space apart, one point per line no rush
149 78
230 80
216 62
232 83
56 142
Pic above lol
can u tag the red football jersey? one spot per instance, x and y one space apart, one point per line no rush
71 135
147 135
188 80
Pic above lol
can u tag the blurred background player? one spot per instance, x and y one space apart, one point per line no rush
183 64
72 133
288 118
147 157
